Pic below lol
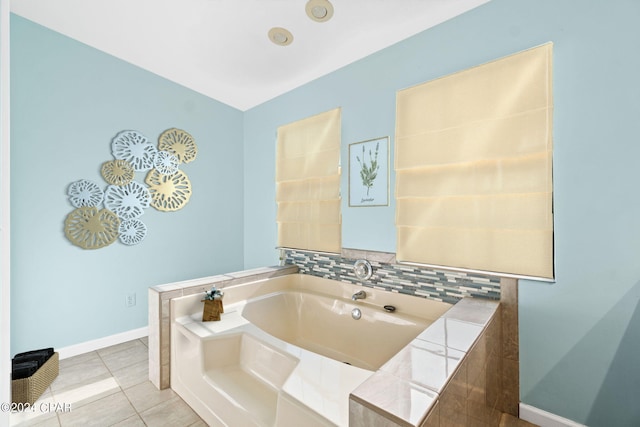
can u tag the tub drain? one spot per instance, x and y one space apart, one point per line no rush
356 313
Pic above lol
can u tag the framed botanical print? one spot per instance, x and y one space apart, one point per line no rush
369 173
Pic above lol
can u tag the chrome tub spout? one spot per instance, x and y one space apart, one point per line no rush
359 295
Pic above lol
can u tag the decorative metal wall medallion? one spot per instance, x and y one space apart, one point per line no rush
128 201
117 172
168 192
124 199
91 228
132 231
135 148
180 143
85 193
166 163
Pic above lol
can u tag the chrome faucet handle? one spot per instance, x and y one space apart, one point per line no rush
362 269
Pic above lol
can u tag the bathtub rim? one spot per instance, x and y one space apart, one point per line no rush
412 316
406 305
160 296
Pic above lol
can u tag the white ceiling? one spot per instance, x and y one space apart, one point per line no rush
220 48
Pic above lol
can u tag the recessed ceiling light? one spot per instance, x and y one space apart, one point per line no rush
280 36
319 10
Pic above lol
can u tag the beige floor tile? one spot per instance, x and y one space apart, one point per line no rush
132 375
37 414
86 391
132 354
173 413
104 412
94 385
76 360
45 421
134 421
79 370
118 348
145 396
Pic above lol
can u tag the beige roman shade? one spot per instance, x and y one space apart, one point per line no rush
474 168
308 183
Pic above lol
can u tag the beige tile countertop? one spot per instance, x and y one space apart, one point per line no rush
404 390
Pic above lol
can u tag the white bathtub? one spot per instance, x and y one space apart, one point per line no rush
287 350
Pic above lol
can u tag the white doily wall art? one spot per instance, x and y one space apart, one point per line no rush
127 201
85 193
166 163
132 231
135 148
167 189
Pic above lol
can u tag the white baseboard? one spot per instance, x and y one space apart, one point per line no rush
544 418
88 346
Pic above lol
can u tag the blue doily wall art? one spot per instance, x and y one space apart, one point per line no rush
105 214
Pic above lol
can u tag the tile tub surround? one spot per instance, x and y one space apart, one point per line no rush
159 340
439 285
510 347
449 375
305 315
159 312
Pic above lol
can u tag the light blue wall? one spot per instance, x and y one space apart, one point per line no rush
68 102
580 337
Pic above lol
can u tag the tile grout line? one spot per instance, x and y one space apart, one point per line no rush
122 390
119 386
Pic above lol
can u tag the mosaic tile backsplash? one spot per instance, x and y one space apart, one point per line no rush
439 285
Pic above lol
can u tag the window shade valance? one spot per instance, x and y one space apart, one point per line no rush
474 168
308 183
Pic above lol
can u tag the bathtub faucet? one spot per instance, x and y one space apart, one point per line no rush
359 295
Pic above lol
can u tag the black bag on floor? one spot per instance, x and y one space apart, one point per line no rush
40 356
23 369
